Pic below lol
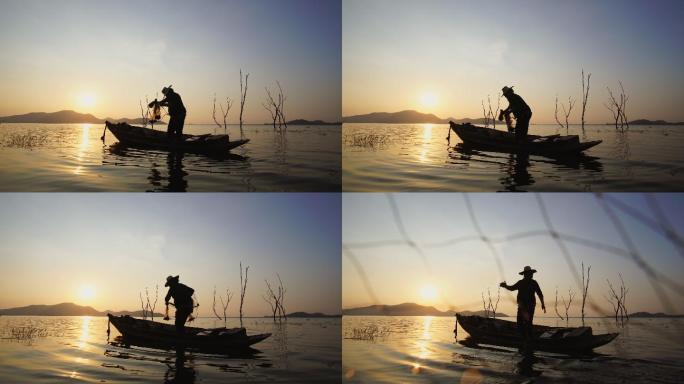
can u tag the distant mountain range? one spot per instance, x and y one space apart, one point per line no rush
651 315
404 117
310 315
307 122
65 117
64 309
407 309
651 122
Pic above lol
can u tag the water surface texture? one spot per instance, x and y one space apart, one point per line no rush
71 157
76 349
423 349
416 157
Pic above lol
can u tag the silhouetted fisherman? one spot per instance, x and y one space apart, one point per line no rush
182 299
177 112
520 110
526 288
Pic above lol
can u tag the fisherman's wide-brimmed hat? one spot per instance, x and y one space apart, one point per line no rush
507 89
171 279
166 89
527 269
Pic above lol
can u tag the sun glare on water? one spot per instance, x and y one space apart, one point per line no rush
86 292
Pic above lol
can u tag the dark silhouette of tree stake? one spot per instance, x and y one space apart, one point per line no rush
243 98
585 289
243 289
585 98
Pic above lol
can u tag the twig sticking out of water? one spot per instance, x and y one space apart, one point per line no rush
585 283
243 289
571 295
27 333
224 305
368 333
617 106
366 140
566 112
26 140
585 98
555 306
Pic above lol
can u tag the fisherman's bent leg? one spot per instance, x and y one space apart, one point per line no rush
181 317
521 128
179 126
170 129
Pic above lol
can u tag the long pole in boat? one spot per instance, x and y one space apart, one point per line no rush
455 327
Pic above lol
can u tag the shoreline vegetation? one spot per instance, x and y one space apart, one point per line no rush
71 309
413 309
415 117
73 117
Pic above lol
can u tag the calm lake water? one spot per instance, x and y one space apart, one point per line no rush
76 349
423 349
71 157
416 157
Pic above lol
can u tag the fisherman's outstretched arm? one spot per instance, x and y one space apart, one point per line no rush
509 287
537 289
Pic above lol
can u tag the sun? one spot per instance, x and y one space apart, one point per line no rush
87 99
86 292
428 292
428 99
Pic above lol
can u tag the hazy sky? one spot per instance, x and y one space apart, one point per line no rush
445 57
70 54
461 271
53 246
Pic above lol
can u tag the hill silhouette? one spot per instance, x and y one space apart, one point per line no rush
64 309
653 122
64 117
405 117
307 122
406 309
308 315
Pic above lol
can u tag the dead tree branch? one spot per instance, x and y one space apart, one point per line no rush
585 289
243 97
243 289
566 112
571 295
555 306
585 99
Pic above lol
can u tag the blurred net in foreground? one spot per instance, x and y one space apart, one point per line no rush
664 286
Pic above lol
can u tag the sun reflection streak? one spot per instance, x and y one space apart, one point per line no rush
83 145
85 332
427 137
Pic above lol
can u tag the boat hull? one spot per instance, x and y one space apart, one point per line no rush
150 138
148 333
503 141
550 339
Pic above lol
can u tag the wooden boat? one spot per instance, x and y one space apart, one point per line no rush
150 138
164 336
504 141
504 333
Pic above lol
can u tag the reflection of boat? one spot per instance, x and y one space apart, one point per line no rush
146 137
554 145
160 335
551 339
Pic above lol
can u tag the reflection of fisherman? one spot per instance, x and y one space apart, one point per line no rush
182 299
520 110
176 111
526 288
